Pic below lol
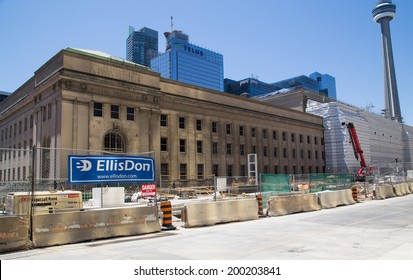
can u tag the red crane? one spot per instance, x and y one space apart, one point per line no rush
358 152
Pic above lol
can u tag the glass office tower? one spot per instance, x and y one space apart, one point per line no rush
322 83
326 84
251 87
142 45
248 87
189 63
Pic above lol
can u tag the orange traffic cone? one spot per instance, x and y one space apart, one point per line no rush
166 208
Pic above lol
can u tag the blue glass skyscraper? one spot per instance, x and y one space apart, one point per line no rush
248 87
323 83
326 84
189 63
142 45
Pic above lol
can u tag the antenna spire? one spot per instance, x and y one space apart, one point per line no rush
172 23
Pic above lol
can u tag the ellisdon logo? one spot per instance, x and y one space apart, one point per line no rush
112 165
96 169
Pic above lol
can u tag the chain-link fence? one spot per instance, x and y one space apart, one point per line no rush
286 183
235 186
15 172
323 182
41 175
391 172
44 171
208 187
281 184
185 188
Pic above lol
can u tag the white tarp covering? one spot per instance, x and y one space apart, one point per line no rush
338 149
382 140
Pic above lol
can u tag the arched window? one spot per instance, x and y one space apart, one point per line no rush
113 142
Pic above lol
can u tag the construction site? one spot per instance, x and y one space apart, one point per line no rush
151 173
96 147
43 213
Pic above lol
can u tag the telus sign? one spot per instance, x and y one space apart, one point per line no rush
100 169
193 50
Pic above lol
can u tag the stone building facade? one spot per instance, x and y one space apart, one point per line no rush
92 101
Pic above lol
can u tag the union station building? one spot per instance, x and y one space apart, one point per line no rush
84 100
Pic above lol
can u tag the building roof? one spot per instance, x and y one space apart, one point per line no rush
106 56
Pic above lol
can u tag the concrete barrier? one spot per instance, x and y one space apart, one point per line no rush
331 199
14 233
328 199
383 192
310 202
215 212
398 190
290 204
347 197
410 187
72 227
283 205
405 188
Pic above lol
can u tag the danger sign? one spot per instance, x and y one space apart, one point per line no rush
148 190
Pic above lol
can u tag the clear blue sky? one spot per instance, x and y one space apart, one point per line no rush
269 39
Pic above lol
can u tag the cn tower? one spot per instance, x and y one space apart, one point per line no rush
383 13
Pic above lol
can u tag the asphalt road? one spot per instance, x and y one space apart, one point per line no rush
370 230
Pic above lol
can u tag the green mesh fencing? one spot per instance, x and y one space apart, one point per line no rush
278 184
274 184
322 182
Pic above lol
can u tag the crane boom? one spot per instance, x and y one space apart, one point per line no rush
358 152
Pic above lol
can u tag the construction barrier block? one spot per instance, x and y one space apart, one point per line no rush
405 188
385 191
14 233
72 227
283 205
215 212
290 204
398 191
328 199
410 187
331 199
310 202
346 197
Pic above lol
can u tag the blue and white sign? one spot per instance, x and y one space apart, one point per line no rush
100 169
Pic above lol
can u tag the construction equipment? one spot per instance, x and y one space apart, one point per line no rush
358 153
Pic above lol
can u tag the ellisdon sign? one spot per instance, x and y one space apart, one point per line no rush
100 169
